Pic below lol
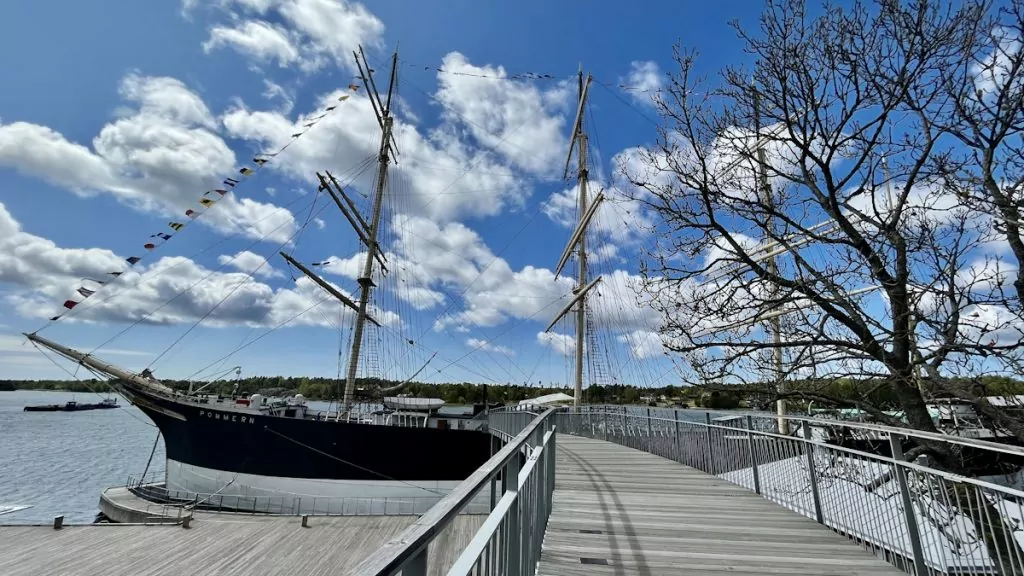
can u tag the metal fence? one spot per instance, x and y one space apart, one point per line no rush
918 516
509 542
297 505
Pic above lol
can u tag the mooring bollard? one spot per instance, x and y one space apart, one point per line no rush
305 521
58 522
186 521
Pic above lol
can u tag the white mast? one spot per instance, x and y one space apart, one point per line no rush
578 139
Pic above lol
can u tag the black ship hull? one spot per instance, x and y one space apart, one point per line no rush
215 448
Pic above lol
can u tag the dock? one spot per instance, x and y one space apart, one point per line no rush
217 544
618 510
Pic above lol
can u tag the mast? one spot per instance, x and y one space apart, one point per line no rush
578 139
98 365
383 111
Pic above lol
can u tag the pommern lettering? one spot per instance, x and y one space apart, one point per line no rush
232 417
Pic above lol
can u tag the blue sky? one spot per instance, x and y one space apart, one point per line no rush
115 118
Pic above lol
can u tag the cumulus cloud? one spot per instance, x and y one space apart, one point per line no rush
522 121
643 81
440 173
250 263
311 34
563 344
478 344
158 156
43 275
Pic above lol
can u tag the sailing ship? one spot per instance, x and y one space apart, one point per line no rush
256 447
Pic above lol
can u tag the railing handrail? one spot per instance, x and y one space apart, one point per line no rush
399 550
900 432
908 432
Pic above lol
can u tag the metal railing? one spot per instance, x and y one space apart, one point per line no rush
920 518
509 542
299 505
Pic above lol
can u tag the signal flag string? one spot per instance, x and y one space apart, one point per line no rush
206 201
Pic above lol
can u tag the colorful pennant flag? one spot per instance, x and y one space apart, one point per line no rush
258 161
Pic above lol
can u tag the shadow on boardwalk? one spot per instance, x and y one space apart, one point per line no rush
622 511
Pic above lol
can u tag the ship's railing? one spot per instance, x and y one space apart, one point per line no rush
919 517
298 505
509 541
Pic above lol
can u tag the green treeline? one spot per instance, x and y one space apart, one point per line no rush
843 390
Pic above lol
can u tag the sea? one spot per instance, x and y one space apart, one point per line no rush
57 463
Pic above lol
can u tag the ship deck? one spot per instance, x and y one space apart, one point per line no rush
218 545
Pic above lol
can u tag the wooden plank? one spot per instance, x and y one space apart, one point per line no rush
622 511
219 545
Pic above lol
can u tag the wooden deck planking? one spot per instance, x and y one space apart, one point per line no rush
646 515
218 545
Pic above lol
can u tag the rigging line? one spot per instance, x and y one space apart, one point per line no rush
230 293
86 384
261 336
352 464
627 103
356 171
187 290
497 256
530 317
98 301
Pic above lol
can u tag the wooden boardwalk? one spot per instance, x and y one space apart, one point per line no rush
622 511
218 545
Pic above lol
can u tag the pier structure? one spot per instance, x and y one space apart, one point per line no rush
600 490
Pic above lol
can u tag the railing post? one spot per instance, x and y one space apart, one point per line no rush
753 454
514 531
417 566
813 474
650 433
708 450
679 446
604 414
896 444
552 463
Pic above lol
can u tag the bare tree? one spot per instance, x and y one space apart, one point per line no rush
825 193
804 192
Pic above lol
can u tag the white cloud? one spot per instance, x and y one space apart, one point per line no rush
438 175
263 41
515 117
563 344
643 81
478 344
621 219
311 33
275 91
250 263
159 156
43 275
643 344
